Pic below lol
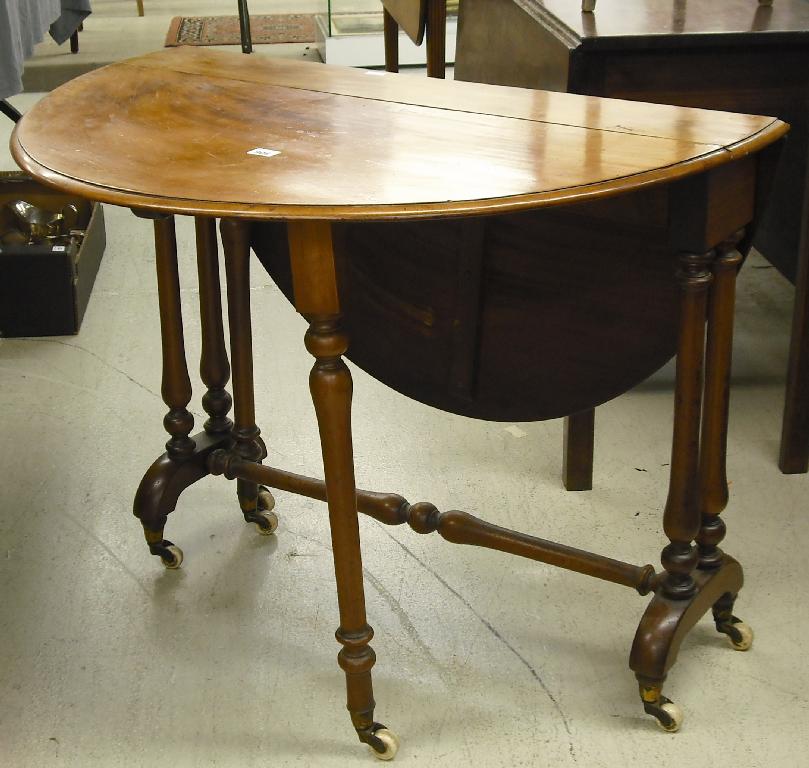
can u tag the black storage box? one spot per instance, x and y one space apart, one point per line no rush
44 289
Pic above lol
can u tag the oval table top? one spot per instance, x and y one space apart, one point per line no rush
191 130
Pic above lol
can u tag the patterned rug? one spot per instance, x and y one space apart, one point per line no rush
224 30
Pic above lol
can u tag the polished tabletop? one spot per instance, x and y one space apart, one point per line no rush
190 130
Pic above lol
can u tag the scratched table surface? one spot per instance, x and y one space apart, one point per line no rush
190 130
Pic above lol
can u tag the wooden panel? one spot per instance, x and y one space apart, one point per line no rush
771 80
410 15
188 140
533 350
487 28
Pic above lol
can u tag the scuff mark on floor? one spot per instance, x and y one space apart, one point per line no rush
90 534
496 633
394 605
407 625
105 363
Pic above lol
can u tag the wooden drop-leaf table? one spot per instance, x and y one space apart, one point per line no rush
312 148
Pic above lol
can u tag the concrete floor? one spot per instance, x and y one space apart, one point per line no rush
107 659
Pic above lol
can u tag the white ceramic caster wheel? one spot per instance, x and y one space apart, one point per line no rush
271 525
266 501
391 742
745 641
178 557
676 715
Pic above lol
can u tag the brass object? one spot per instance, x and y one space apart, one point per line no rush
33 225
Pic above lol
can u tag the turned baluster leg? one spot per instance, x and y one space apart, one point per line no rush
681 519
713 479
713 450
316 297
255 502
176 384
214 368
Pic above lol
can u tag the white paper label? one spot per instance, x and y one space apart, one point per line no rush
515 431
58 248
264 152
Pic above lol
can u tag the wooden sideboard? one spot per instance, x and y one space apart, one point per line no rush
735 55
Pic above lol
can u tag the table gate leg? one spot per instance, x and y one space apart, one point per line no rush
652 651
161 485
255 501
713 479
681 519
214 368
316 297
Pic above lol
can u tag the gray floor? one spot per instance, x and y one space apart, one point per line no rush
106 659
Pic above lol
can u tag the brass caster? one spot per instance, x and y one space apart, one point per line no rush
266 522
265 519
266 501
670 716
665 712
172 556
739 634
389 741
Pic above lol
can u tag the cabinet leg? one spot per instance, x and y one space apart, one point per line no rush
577 471
794 456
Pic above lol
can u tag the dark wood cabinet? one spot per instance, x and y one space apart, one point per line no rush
734 55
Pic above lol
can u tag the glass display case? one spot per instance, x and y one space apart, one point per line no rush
350 33
354 17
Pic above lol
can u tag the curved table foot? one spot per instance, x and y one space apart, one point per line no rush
665 624
161 487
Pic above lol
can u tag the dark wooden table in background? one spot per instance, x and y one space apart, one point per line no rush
734 55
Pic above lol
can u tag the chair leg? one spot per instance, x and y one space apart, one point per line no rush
10 112
436 38
244 27
391 32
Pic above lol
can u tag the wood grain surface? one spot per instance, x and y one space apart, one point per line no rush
174 130
701 18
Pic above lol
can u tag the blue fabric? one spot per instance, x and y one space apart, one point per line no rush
23 24
74 12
